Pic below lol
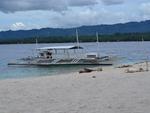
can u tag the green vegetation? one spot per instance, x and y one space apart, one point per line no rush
61 39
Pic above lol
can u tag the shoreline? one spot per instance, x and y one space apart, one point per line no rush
119 68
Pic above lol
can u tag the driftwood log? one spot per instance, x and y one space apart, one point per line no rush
88 70
124 66
134 70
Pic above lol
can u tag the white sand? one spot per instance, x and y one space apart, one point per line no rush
112 91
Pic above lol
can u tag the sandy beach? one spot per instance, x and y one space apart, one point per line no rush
110 91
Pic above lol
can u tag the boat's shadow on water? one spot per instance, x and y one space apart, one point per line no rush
53 66
50 70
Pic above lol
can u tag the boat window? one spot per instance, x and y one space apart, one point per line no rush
42 54
49 53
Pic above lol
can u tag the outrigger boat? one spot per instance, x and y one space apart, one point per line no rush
64 55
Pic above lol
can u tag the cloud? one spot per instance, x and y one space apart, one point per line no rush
86 16
8 6
26 5
18 26
31 14
82 2
145 10
145 7
112 2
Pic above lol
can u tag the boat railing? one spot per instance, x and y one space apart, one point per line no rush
55 61
75 60
69 56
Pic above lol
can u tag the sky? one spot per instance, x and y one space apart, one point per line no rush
36 14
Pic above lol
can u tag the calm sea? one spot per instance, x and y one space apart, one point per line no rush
127 52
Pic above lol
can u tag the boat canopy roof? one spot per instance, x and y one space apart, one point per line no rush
60 48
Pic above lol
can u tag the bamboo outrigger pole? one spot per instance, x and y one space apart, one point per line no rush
77 39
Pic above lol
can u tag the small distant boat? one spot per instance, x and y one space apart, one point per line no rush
64 55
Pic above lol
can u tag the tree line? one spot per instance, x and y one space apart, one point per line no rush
64 39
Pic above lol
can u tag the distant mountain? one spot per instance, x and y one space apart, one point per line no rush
131 27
